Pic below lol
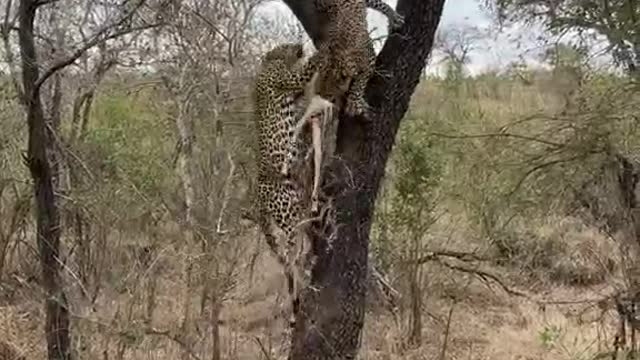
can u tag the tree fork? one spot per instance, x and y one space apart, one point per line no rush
332 308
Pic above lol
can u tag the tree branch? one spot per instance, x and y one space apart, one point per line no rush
5 29
169 335
511 135
102 36
484 276
45 2
540 167
308 16
437 255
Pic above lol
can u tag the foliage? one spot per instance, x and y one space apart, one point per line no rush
406 209
416 176
510 152
549 335
617 21
133 141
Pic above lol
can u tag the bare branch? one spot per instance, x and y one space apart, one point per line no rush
484 276
445 342
263 349
5 29
174 338
308 16
102 36
225 199
540 167
515 136
45 2
437 255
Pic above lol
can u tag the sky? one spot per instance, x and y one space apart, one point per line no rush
496 50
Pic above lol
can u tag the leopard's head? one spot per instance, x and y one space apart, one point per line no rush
289 53
335 81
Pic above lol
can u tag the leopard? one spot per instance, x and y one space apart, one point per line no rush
350 50
280 85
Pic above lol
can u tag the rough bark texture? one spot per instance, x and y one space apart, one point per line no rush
610 201
332 308
47 217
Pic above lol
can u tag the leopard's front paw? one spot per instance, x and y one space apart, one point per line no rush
356 107
396 22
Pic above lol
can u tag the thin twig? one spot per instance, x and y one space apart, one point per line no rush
225 199
5 29
262 348
485 276
540 167
446 333
175 338
101 36
436 255
515 136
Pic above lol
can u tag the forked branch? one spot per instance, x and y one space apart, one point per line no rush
111 31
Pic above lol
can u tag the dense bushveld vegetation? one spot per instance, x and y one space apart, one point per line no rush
506 224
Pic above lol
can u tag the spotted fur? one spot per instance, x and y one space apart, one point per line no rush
349 49
279 86
351 55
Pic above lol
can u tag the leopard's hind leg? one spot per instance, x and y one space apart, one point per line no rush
279 208
356 103
286 214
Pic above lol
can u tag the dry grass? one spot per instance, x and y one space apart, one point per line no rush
485 322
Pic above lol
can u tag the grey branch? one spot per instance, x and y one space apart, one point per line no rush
308 15
107 33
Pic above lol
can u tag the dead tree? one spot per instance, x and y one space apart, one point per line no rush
332 308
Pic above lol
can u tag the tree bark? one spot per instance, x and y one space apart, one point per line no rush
184 125
47 217
332 308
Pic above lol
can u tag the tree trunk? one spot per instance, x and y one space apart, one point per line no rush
415 290
47 217
332 315
611 202
415 294
216 344
185 168
52 94
182 92
627 212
